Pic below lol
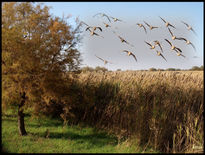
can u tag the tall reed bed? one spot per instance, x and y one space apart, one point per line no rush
161 109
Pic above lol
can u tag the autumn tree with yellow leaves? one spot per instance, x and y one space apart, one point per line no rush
38 51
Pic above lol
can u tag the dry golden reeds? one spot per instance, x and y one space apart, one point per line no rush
164 109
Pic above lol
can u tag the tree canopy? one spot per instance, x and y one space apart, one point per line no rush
37 52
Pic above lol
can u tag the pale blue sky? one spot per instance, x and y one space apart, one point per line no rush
110 47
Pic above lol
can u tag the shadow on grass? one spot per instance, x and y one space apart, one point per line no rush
45 124
95 139
9 115
8 119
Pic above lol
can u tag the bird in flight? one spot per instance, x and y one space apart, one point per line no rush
106 25
105 61
173 36
178 50
173 47
93 33
141 25
116 19
130 53
189 27
160 54
167 23
179 54
103 15
94 28
151 27
156 42
188 42
151 46
122 39
82 22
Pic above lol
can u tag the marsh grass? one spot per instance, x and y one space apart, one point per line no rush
162 109
147 111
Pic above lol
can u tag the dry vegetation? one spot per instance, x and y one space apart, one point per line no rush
161 109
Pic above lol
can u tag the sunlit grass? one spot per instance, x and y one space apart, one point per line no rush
69 139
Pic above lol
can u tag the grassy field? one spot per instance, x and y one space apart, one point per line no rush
69 139
143 109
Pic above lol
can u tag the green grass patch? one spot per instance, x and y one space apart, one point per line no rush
69 139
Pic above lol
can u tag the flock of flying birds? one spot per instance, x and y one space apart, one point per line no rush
168 25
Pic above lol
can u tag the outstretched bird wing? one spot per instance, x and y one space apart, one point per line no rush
163 57
178 49
154 27
138 24
146 23
99 58
97 14
116 18
188 26
99 28
182 55
126 42
134 56
193 31
84 23
185 23
144 29
88 28
122 40
172 25
170 32
125 51
107 17
162 19
148 43
160 47
193 46
168 42
98 35
112 17
182 39
103 15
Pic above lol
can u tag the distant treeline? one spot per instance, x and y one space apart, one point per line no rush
98 68
194 68
103 69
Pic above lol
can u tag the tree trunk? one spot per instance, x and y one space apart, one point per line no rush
21 126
